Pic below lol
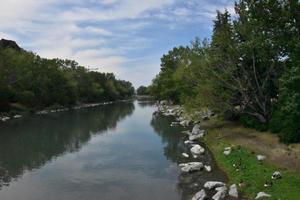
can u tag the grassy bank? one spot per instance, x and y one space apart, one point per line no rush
253 173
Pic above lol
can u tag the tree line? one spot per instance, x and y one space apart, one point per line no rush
29 82
249 70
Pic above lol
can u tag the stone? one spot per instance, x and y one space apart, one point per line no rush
197 149
185 155
262 195
174 123
196 129
213 184
221 193
276 175
227 151
261 157
198 136
17 116
207 168
233 192
201 195
191 166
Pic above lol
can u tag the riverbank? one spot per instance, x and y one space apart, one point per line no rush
54 109
253 156
255 175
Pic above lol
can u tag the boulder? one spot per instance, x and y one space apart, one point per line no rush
17 116
197 149
185 155
191 166
261 195
261 157
213 184
221 193
233 192
207 168
195 137
201 195
276 175
196 129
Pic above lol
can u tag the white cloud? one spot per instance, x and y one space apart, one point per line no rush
100 32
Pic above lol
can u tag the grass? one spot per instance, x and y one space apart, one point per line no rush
252 172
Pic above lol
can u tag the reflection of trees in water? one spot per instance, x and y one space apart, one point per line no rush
29 143
188 184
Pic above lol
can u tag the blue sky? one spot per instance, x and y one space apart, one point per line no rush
127 37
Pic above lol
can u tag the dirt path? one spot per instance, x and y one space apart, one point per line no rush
283 156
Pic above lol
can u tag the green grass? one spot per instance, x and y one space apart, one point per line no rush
253 173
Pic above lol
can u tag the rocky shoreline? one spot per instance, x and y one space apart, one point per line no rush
218 189
5 118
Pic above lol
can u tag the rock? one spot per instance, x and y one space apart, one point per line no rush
221 193
233 192
185 123
227 148
276 175
207 168
185 155
174 123
196 129
261 157
262 195
194 137
4 119
201 195
188 142
17 116
197 149
213 184
227 151
191 166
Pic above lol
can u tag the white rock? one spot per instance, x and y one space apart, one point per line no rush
227 152
195 137
185 155
201 195
227 149
196 129
191 166
233 192
261 157
197 149
5 118
276 175
221 193
207 168
188 142
17 116
262 195
213 184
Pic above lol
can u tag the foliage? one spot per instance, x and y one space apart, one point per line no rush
142 90
250 68
36 83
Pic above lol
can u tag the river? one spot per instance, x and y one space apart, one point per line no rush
110 152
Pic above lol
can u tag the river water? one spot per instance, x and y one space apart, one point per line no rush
110 152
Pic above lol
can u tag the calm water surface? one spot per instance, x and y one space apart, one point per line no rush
117 151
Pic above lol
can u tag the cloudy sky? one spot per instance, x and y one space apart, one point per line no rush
126 37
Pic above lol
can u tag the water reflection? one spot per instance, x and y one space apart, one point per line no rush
173 140
29 143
